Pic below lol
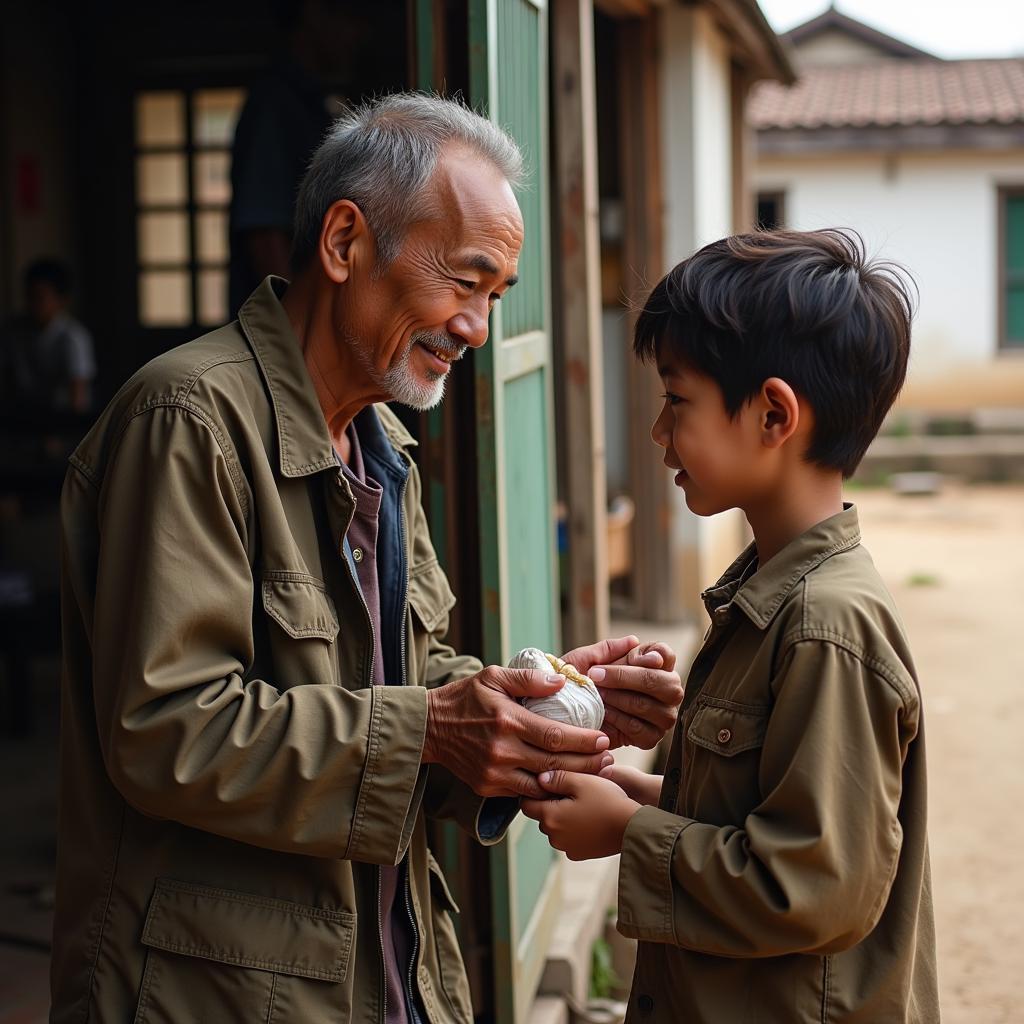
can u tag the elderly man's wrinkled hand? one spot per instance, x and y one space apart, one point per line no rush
639 685
477 729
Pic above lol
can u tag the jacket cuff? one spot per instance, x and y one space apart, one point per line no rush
645 875
493 817
486 819
393 780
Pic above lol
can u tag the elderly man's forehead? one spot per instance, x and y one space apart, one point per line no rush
464 181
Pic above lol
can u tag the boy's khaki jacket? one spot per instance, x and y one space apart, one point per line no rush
229 780
783 878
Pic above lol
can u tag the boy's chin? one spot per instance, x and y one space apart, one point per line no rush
705 506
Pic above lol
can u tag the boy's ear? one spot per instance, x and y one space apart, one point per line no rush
780 412
343 231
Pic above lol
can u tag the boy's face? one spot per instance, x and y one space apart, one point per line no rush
717 457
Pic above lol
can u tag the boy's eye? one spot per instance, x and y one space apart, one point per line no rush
672 399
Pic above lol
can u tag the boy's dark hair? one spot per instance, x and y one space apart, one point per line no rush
51 272
806 306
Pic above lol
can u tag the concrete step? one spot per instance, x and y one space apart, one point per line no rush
973 458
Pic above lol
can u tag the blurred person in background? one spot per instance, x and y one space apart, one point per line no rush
283 121
51 362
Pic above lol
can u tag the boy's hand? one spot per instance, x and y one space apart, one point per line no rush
640 687
640 786
591 819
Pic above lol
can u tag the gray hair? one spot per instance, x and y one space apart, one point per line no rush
381 155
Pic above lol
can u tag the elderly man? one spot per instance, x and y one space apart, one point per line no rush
258 710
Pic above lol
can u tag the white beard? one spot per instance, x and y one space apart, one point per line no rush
401 382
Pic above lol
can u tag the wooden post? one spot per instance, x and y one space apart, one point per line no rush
580 384
644 260
743 207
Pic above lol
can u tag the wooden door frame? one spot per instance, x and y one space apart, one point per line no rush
579 358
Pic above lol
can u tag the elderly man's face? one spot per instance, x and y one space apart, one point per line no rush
410 324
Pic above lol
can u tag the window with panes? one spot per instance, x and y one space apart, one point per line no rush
182 196
1011 259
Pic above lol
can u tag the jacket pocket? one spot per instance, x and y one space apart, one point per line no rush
726 727
301 626
219 955
300 605
446 945
430 595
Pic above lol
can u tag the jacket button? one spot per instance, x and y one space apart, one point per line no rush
357 555
645 1004
675 775
724 735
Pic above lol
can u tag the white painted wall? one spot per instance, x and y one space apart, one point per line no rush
697 181
696 138
936 214
712 135
836 47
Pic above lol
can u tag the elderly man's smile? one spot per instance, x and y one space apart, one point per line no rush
439 352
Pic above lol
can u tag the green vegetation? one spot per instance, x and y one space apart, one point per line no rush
603 979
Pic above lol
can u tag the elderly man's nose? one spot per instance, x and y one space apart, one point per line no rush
471 326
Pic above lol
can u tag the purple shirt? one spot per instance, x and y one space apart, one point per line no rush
395 926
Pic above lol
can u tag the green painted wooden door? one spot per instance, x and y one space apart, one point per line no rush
508 70
515 457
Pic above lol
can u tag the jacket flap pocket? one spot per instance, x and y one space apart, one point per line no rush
249 930
430 595
727 728
300 605
439 886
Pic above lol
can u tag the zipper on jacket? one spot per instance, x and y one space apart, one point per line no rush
410 991
383 957
407 887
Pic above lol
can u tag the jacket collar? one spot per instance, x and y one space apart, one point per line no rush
763 593
304 444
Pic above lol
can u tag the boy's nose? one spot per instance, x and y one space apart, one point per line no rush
661 434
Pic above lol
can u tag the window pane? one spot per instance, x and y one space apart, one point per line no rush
214 113
1015 233
213 296
212 182
164 298
160 178
160 119
212 236
1015 316
163 237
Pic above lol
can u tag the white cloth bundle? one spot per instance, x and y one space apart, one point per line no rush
577 703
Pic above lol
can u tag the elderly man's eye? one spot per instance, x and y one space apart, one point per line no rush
468 285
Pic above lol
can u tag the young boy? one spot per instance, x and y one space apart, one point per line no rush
778 873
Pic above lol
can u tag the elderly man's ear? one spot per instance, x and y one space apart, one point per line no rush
344 240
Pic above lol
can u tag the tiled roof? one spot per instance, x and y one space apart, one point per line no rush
894 93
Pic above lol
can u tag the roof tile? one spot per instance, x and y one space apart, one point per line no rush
889 93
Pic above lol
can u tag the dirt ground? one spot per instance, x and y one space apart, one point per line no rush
955 564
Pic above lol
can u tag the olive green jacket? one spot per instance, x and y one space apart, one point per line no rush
230 781
783 878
